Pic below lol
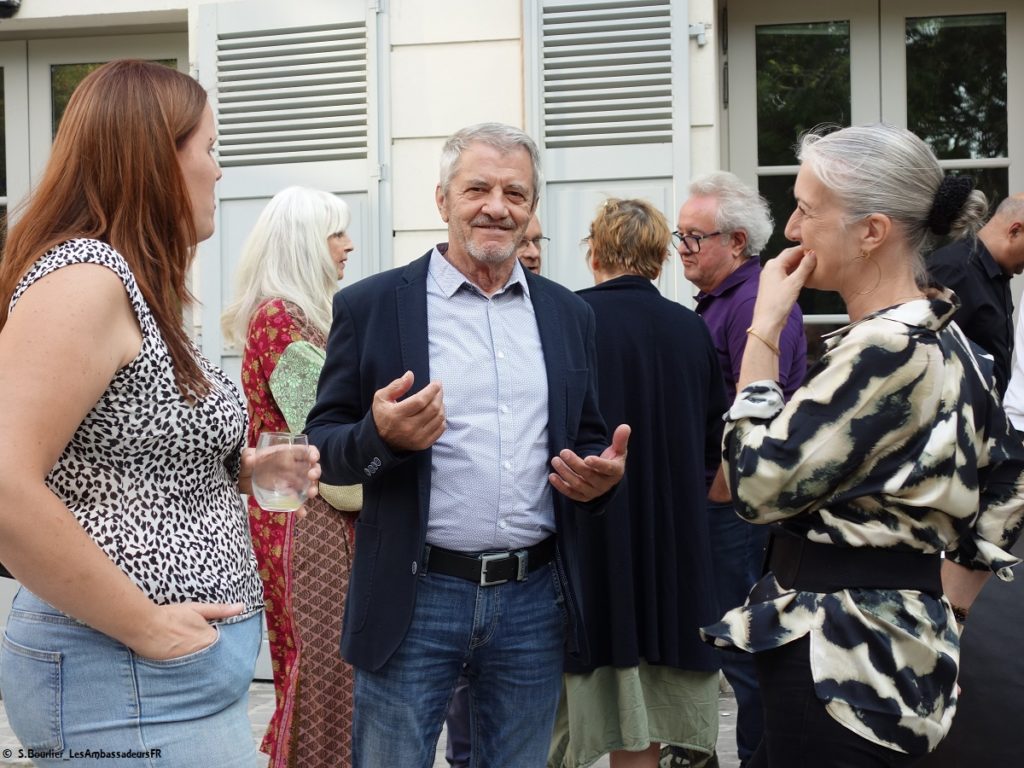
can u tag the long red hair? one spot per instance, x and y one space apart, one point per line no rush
113 175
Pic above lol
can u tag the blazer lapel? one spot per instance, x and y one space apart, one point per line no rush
411 303
550 327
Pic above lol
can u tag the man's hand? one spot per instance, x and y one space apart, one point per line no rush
586 479
411 424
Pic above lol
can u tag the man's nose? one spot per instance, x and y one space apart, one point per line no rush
495 205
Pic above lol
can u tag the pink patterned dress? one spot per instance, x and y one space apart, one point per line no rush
305 568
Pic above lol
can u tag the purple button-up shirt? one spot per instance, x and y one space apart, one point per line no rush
728 311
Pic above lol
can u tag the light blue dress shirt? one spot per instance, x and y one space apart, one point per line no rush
488 485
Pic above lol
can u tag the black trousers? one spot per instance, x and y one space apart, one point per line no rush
798 731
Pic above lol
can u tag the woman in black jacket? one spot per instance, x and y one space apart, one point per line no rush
647 581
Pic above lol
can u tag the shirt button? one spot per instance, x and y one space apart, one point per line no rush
502 524
501 355
503 408
413 567
507 465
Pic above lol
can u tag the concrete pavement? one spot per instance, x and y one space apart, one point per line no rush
261 707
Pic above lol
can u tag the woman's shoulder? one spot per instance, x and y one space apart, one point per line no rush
878 347
76 252
82 250
276 312
279 320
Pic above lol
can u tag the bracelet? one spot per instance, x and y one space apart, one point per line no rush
960 613
774 348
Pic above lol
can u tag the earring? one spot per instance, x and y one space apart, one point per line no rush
864 258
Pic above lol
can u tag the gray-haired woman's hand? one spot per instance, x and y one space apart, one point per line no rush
781 281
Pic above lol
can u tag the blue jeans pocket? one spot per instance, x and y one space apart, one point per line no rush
31 685
188 658
204 682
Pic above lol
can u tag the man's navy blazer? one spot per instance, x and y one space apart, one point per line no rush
379 332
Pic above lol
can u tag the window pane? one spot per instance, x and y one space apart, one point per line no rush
956 84
803 79
778 191
64 78
994 182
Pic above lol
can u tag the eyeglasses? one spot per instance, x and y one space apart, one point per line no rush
538 242
692 242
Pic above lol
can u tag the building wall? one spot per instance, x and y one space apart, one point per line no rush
706 118
453 63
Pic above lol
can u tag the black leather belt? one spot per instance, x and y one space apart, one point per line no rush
489 568
809 566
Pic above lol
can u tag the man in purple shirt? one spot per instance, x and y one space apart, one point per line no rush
722 228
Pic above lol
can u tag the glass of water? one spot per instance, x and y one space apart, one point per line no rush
280 477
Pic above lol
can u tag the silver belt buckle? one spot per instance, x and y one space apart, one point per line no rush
490 558
524 561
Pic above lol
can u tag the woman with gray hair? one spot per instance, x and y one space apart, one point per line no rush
894 451
285 281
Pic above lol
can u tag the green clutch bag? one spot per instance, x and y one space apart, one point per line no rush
293 385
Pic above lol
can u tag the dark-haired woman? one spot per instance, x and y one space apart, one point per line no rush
133 639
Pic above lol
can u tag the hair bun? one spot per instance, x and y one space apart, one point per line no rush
949 199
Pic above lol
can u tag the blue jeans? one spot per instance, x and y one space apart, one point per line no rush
509 638
738 551
73 692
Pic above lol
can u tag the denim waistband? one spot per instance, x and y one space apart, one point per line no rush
27 602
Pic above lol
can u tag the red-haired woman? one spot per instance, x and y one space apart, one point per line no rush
138 624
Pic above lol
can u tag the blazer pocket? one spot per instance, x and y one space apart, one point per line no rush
360 596
575 389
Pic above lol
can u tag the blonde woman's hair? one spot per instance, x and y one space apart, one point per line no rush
286 256
631 237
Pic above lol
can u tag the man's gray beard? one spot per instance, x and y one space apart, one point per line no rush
491 257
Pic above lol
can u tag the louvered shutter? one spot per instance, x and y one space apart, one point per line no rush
291 85
295 95
607 74
609 115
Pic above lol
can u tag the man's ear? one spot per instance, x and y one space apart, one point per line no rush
875 230
738 243
442 203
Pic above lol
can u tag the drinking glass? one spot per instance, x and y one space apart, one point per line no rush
280 477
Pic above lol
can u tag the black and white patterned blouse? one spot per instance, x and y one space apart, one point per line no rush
896 441
152 479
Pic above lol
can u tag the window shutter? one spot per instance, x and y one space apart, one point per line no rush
607 72
293 95
293 86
